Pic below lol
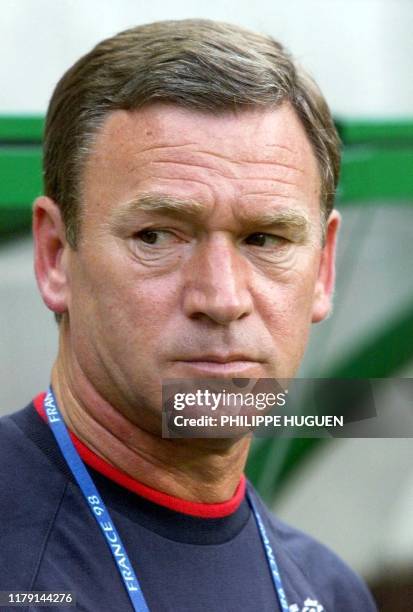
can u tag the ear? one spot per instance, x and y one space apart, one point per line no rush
50 247
324 288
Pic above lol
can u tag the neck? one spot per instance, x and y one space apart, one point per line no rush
197 470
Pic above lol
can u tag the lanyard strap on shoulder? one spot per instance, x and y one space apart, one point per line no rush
95 502
269 553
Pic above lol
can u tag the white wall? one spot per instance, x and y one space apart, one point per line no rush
360 51
356 495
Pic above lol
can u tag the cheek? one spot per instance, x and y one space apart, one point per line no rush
289 297
287 312
285 306
121 308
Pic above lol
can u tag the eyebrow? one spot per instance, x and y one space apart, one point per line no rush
285 218
159 204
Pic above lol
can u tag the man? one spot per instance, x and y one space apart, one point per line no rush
187 231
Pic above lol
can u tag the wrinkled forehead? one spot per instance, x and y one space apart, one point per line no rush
268 134
262 149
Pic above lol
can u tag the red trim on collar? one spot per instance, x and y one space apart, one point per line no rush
158 497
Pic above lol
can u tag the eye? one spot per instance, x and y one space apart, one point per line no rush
261 239
151 236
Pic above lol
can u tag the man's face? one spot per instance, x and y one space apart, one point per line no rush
200 251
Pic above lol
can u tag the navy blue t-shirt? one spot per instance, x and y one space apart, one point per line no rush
49 541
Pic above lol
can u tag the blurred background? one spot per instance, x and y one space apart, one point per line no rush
355 495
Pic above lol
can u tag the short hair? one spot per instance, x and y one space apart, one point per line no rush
196 64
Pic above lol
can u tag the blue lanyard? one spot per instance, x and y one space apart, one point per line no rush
269 553
99 511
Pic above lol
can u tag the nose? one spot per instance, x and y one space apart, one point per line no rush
216 285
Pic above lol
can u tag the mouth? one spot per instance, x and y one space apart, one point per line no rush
220 364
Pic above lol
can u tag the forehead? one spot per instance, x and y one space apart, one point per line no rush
254 153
